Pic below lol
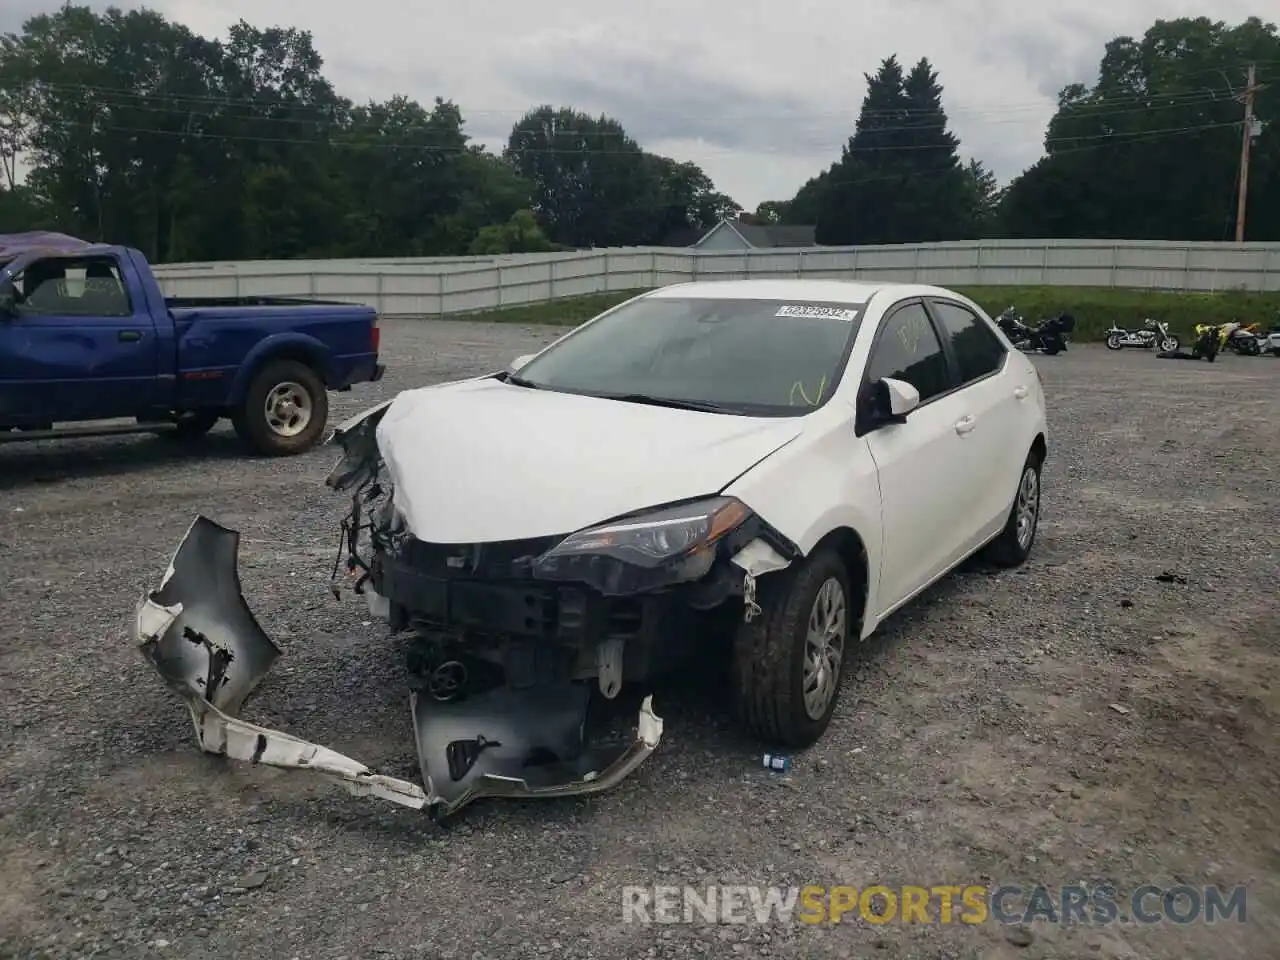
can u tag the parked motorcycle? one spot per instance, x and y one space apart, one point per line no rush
1207 340
1271 342
1243 340
1049 337
1150 334
1235 337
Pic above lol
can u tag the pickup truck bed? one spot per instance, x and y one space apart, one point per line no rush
87 335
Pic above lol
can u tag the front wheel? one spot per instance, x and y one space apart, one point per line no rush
284 410
788 660
1169 345
1113 342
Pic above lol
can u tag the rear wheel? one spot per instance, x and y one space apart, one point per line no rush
1013 546
788 660
284 410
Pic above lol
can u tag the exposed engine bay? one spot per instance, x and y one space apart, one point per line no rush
519 650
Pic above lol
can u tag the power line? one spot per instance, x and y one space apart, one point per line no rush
1065 151
1072 113
1110 138
1134 100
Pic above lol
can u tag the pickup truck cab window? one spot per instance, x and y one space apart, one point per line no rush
81 287
977 350
908 349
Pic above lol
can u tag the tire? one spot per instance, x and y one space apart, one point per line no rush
769 652
1008 549
1052 348
193 426
1113 342
1169 345
299 409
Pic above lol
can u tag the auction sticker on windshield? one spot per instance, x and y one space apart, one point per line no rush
814 311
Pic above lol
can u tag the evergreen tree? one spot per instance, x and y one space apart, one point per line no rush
856 199
900 178
938 197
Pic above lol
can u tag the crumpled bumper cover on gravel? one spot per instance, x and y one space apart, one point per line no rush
202 638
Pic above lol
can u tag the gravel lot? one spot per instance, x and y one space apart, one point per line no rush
976 743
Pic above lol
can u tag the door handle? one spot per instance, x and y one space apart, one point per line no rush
1020 393
129 336
966 424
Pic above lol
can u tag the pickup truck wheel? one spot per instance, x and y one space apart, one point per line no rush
787 661
284 410
1013 546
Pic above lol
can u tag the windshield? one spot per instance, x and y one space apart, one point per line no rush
751 357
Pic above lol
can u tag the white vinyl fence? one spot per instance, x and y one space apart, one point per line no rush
446 286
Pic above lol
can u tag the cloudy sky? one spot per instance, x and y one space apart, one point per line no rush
761 93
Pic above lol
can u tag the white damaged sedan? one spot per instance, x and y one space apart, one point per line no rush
775 464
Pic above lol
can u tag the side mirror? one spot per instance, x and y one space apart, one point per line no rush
520 361
887 401
899 397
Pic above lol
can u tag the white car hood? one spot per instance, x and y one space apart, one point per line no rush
482 460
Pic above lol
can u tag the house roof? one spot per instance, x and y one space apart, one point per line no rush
773 235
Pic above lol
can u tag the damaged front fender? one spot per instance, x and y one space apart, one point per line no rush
358 438
199 634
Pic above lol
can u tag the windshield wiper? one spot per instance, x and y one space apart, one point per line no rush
700 405
517 381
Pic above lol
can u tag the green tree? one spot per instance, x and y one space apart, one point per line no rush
983 198
1151 151
139 131
899 178
592 184
520 234
772 211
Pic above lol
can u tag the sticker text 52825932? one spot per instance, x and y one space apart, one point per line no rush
817 311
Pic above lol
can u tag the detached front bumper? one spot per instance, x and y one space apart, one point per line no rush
201 637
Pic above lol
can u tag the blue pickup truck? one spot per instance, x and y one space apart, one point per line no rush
87 336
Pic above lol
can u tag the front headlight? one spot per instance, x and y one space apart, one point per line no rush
672 545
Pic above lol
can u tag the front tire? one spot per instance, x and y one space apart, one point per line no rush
788 660
1016 540
1169 345
284 410
1113 342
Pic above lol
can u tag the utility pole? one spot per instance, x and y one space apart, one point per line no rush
1251 87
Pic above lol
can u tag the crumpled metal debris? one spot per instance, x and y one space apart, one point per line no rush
200 635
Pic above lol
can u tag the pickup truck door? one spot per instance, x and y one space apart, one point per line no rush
919 495
77 345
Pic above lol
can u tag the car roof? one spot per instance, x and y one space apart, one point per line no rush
851 292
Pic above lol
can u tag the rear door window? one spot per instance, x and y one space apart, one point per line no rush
976 348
